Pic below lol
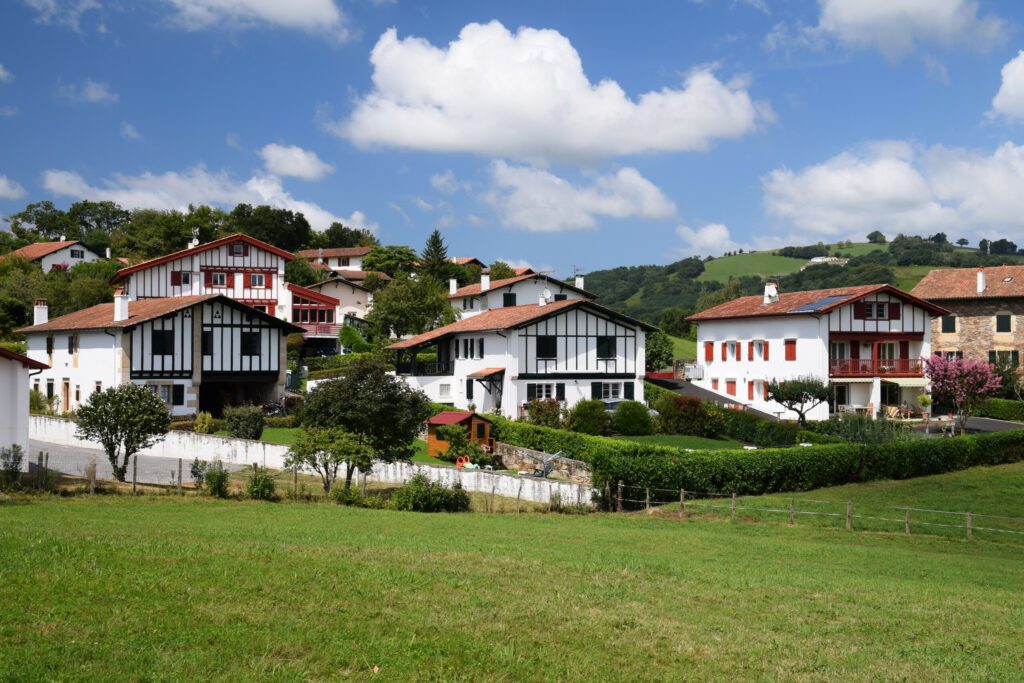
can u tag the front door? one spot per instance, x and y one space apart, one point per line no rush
65 396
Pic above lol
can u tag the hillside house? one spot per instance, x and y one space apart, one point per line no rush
477 426
62 255
529 288
985 318
15 372
501 358
338 259
197 352
867 342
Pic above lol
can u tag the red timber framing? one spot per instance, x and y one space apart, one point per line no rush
313 311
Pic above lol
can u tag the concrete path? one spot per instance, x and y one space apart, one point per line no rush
987 424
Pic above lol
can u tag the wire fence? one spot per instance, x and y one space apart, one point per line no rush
854 515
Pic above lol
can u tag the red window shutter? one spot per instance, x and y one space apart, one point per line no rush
895 309
858 310
855 350
791 349
175 278
714 384
247 279
245 249
904 349
766 350
725 350
750 350
730 387
270 309
750 391
709 351
268 280
231 279
207 279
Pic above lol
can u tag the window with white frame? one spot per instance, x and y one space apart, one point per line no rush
219 279
838 350
257 280
77 253
238 249
611 390
759 350
545 392
876 310
732 346
445 390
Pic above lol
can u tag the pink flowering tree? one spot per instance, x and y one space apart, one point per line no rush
961 383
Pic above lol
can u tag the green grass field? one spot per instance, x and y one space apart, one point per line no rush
683 441
761 263
683 349
161 587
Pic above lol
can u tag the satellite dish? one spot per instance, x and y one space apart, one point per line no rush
547 293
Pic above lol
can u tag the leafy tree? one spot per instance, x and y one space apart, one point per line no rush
338 235
352 340
939 238
393 260
374 282
124 419
460 445
673 322
42 221
95 222
962 242
962 383
801 394
587 417
282 228
1003 246
408 306
658 351
876 237
381 410
716 297
325 450
8 242
501 270
301 272
434 258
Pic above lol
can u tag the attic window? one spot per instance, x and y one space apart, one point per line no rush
1008 279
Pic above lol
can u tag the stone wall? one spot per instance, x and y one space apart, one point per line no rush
525 459
976 327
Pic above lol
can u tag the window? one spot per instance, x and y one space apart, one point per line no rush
887 351
445 390
837 350
178 395
35 386
732 346
72 343
547 346
561 297
206 342
344 261
163 391
98 389
1003 359
760 350
951 354
481 430
545 392
606 347
949 324
876 310
250 343
163 342
257 280
508 299
790 349
611 390
49 346
480 347
467 303
78 394
261 308
219 279
237 249
714 384
186 279
730 387
709 351
77 253
1003 322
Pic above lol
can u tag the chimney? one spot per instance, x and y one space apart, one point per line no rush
771 293
579 282
41 312
981 280
485 281
453 284
108 253
120 306
542 300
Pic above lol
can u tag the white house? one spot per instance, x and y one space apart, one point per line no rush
198 352
500 359
15 370
354 300
63 255
528 288
337 259
868 342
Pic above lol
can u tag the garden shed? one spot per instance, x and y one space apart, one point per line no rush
479 430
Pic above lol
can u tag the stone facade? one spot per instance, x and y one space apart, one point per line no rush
976 332
525 459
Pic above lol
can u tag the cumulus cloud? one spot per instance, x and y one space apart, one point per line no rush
1009 101
447 182
893 27
5 75
540 201
709 239
10 189
358 219
290 160
88 92
197 185
525 95
312 16
67 13
130 132
895 187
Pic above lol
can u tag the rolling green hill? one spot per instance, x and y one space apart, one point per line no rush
761 263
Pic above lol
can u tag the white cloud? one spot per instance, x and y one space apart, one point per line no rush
67 13
895 187
537 200
290 160
88 92
893 27
1009 101
5 75
394 206
313 16
173 190
447 182
10 189
525 95
423 204
7 111
130 132
233 140
358 219
709 239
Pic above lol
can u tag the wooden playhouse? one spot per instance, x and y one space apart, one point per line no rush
479 430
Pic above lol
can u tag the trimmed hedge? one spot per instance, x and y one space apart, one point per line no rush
1001 409
218 425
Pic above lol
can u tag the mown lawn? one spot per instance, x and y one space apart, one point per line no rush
279 435
160 587
684 441
684 349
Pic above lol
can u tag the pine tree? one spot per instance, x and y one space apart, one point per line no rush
434 258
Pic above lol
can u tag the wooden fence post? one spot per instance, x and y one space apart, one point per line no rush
518 494
792 512
970 526
179 477
849 515
46 469
493 509
733 508
682 503
39 472
906 521
92 476
647 499
135 473
618 502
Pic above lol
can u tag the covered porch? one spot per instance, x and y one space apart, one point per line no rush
892 397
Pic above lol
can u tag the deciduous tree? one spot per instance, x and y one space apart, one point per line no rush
658 351
393 260
124 419
325 450
962 383
800 394
410 306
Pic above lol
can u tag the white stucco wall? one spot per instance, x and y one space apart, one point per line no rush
63 256
97 362
14 378
526 291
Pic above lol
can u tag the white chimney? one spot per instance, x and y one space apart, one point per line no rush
579 282
41 312
981 280
453 284
771 293
485 281
120 306
108 253
542 300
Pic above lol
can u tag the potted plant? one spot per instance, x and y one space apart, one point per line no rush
925 401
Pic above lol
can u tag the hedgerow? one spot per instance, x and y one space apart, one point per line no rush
1001 409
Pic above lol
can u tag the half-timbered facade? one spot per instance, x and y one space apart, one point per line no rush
868 342
499 360
521 290
200 352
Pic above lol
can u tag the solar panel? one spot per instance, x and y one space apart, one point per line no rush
820 304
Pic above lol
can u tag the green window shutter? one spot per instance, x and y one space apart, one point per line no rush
469 388
560 391
992 357
531 392
595 391
627 391
1015 357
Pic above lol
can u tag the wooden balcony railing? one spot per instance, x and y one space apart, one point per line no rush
867 367
427 369
321 329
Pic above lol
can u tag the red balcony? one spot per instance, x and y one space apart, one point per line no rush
868 367
320 329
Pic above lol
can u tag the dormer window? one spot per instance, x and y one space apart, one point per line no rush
237 249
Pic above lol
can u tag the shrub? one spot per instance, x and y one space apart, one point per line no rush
244 422
546 413
338 362
181 426
632 419
10 465
204 423
587 417
422 495
688 415
287 422
261 485
216 480
353 498
198 472
459 445
1001 409
776 434
38 404
862 429
741 425
653 393
807 436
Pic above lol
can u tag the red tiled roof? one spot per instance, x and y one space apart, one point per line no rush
312 294
34 252
466 260
334 252
360 275
754 306
453 417
486 372
474 290
507 318
238 237
962 283
524 271
25 361
338 279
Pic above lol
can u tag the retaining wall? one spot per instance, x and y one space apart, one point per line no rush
519 458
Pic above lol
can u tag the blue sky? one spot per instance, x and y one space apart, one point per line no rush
586 134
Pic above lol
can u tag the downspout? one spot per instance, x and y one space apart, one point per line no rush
113 346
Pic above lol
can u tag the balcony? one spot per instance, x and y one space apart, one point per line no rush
869 367
427 369
320 329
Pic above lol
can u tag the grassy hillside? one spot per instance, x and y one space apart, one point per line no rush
182 588
760 263
684 349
